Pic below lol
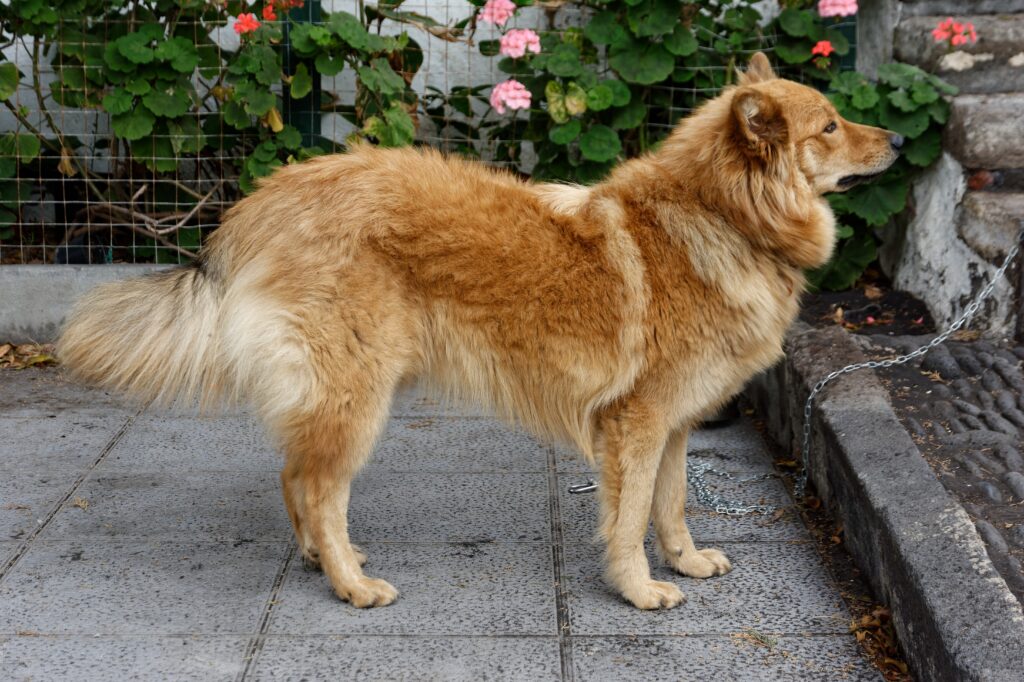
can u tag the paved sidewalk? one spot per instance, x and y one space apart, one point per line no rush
156 546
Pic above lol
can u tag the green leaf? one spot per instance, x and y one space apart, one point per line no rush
186 136
878 201
133 125
575 99
620 92
113 59
290 137
600 97
302 82
395 130
23 146
135 48
850 261
630 116
564 134
797 23
924 149
181 53
555 97
137 86
901 100
605 29
380 77
864 96
235 116
349 29
600 143
643 63
793 53
906 124
923 93
939 110
489 48
9 79
564 61
327 65
653 17
167 103
118 101
681 42
899 75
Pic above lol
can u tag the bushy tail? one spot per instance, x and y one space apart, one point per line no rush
153 337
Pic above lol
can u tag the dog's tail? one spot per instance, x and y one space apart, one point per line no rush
153 337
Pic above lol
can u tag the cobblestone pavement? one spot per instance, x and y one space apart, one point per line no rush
964 406
155 546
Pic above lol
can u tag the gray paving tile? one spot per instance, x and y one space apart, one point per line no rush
36 391
177 442
456 444
76 659
776 587
7 550
470 659
720 658
27 496
429 507
55 441
580 514
193 506
444 589
133 587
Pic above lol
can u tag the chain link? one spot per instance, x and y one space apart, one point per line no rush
800 486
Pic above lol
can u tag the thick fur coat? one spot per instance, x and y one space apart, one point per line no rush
610 317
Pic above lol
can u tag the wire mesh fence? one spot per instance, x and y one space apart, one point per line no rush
74 190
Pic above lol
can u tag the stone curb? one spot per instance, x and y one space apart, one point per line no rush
35 299
915 543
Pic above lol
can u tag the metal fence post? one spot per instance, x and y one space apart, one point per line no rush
303 113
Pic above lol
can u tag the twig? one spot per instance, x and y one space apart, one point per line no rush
188 216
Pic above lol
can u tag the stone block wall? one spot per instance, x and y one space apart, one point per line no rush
968 208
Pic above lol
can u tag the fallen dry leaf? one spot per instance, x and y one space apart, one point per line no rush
81 503
872 292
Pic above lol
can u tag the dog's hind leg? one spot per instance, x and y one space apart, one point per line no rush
634 439
675 543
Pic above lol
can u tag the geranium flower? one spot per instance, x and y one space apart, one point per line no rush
246 23
511 94
955 32
823 48
516 42
268 13
837 8
497 12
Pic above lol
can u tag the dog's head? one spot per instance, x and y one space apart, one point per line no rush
775 117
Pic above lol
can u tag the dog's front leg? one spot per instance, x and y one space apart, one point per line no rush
634 441
674 541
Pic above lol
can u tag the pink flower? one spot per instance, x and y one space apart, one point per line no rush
823 47
516 42
869 319
511 94
837 8
955 32
246 23
497 12
268 13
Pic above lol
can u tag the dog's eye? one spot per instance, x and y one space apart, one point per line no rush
830 128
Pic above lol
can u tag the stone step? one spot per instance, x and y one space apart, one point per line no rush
993 64
987 131
955 7
990 221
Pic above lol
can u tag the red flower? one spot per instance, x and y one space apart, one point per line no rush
823 48
246 23
268 13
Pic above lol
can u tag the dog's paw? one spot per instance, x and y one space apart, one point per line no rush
654 594
360 555
368 592
703 563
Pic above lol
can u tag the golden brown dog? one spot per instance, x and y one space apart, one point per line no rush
612 317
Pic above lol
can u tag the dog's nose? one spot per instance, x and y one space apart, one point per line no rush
896 141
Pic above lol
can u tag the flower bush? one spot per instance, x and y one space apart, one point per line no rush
579 98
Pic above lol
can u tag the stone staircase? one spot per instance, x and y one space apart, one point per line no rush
968 208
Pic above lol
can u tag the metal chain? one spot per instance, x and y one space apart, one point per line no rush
801 478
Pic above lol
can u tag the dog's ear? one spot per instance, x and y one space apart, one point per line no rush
760 125
759 70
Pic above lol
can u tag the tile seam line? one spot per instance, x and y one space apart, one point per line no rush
256 641
563 621
11 562
390 635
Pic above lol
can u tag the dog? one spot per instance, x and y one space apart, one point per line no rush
612 317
